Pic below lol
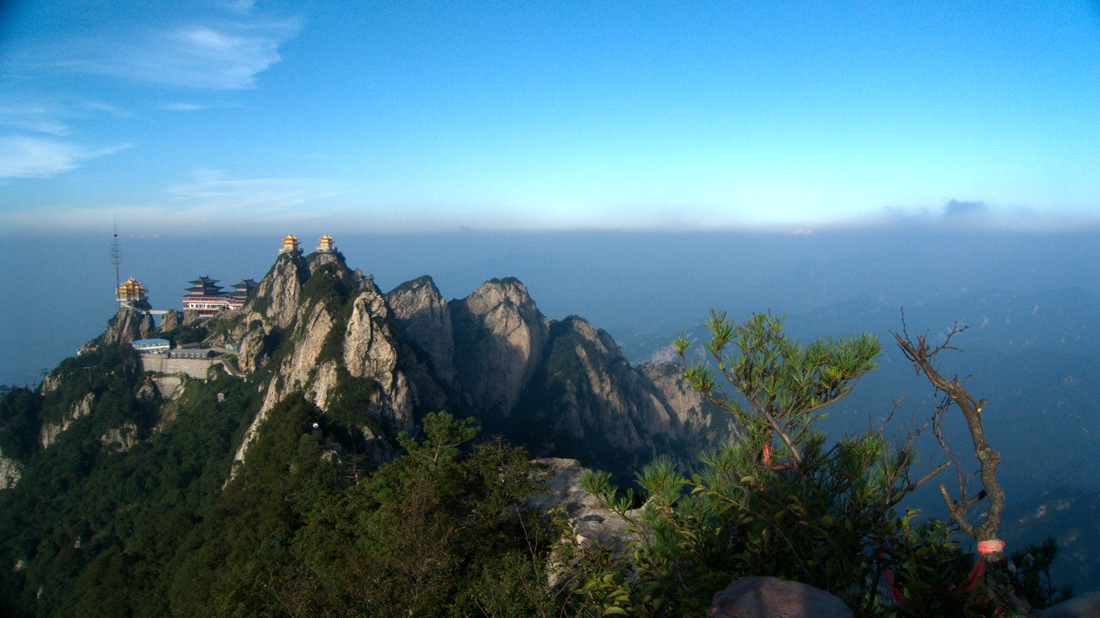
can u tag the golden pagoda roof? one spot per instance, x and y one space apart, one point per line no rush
290 244
326 238
131 288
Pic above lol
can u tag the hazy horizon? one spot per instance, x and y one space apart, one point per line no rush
625 282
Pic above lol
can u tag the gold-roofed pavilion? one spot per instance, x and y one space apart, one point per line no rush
325 245
290 244
131 290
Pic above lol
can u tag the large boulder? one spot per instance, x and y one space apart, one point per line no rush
1084 606
593 522
769 597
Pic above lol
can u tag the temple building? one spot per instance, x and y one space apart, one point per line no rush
206 297
290 244
324 244
132 293
241 290
204 286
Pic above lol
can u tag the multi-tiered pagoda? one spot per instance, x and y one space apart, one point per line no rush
206 297
132 294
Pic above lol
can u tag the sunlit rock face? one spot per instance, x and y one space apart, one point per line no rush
371 351
127 326
343 334
50 431
170 321
499 337
277 296
560 388
10 472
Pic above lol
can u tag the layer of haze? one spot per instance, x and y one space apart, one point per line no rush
632 284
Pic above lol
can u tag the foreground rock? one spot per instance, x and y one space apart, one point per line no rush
769 597
1084 606
593 523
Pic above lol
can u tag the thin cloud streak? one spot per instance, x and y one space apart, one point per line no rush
24 156
34 118
182 107
215 54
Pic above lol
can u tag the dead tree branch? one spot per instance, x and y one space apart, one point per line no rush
923 356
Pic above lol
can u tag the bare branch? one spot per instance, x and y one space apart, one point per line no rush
922 356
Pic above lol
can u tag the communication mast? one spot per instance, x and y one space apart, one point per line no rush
116 258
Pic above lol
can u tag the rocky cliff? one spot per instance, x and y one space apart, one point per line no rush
322 331
561 388
374 364
127 326
499 339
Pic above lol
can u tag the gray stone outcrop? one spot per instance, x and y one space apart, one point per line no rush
351 279
278 294
125 437
50 431
588 396
367 347
1083 606
591 525
423 318
499 338
590 520
127 326
371 351
769 597
11 471
170 321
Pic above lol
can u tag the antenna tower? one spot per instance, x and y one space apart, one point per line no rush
116 259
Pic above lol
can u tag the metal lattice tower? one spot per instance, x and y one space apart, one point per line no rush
116 258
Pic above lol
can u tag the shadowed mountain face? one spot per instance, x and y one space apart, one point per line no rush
561 388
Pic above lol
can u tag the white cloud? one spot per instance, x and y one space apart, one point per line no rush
182 107
34 118
224 51
214 187
209 56
240 6
23 156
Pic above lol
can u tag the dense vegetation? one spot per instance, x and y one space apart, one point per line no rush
151 532
306 526
787 502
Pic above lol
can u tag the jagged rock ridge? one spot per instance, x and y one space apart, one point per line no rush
314 328
561 388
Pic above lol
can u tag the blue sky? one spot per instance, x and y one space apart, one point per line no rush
184 117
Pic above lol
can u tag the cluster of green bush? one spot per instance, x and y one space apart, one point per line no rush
787 502
302 528
158 530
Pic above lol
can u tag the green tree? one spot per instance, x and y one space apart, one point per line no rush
782 500
785 384
19 424
436 532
